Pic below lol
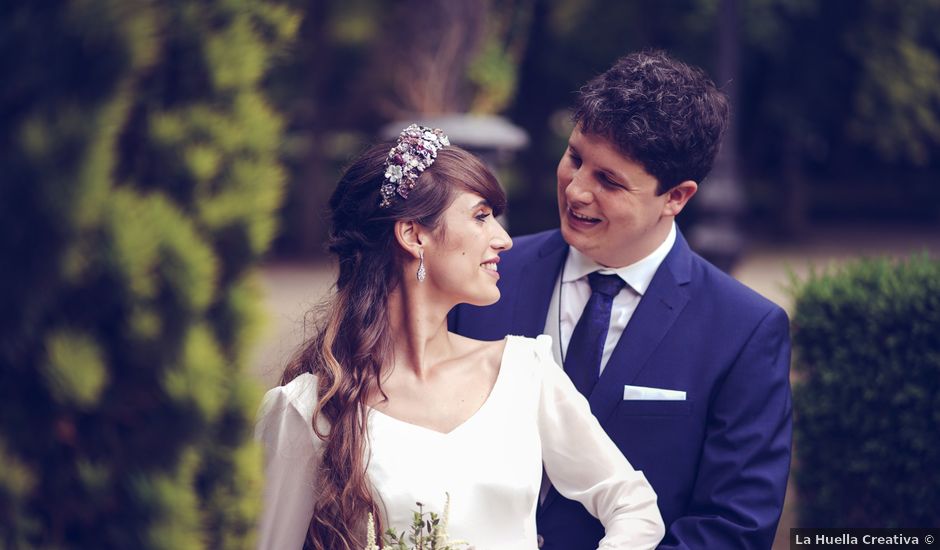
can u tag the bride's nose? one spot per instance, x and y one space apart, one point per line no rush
501 241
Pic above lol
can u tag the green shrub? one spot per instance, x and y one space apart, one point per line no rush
140 179
867 397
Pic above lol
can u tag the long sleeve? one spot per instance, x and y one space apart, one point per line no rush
290 460
585 465
742 474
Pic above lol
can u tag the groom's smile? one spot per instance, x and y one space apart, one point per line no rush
581 219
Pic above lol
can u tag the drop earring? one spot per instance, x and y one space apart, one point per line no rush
422 273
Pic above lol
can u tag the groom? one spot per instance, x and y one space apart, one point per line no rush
685 368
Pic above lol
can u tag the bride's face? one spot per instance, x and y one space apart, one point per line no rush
461 259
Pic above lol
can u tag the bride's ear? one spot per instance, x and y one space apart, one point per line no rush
410 236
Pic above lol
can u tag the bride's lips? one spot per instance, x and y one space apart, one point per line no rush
489 266
580 221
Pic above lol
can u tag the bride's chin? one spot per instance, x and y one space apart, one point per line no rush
482 301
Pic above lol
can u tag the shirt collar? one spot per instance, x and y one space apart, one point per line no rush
638 275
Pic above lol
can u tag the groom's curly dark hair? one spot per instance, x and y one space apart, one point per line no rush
659 112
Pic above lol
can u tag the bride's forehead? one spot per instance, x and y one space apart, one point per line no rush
467 200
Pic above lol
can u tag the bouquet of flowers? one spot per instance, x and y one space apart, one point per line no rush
428 532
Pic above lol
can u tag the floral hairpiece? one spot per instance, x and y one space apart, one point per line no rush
415 151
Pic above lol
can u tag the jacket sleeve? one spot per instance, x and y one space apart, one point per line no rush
583 464
742 476
290 460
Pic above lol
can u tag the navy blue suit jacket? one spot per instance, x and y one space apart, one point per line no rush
719 460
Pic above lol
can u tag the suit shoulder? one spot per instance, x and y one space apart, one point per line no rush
732 292
536 239
527 247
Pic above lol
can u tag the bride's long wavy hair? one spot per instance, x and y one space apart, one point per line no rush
353 341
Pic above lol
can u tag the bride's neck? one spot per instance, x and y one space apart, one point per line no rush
418 328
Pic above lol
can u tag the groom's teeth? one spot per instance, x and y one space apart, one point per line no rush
585 218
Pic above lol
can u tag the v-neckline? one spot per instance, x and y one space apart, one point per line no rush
459 427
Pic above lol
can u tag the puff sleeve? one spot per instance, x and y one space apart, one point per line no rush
291 457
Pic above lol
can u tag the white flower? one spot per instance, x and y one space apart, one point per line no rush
370 534
393 173
445 141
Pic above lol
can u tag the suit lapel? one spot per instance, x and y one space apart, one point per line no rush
658 309
535 285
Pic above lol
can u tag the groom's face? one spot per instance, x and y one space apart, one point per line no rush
608 204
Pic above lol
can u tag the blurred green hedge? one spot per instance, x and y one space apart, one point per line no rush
867 397
140 182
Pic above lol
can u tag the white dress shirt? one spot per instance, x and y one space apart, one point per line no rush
572 292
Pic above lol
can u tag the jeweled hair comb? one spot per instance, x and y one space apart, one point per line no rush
414 152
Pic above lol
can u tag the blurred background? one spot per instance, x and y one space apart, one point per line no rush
835 102
227 123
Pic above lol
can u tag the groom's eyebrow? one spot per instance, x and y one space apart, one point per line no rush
615 176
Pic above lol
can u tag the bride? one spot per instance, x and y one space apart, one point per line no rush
385 408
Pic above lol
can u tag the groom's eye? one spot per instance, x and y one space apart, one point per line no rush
575 159
607 181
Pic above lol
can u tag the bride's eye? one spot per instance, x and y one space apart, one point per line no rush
482 216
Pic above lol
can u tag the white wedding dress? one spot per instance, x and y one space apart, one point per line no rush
491 465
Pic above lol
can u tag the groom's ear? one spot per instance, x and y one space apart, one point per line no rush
409 235
678 197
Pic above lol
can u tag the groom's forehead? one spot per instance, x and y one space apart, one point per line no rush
585 142
587 139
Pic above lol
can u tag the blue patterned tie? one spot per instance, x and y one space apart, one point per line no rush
586 347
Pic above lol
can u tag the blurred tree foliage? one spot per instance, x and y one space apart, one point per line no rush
140 178
840 106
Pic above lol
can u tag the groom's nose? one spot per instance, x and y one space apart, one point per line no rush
578 191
